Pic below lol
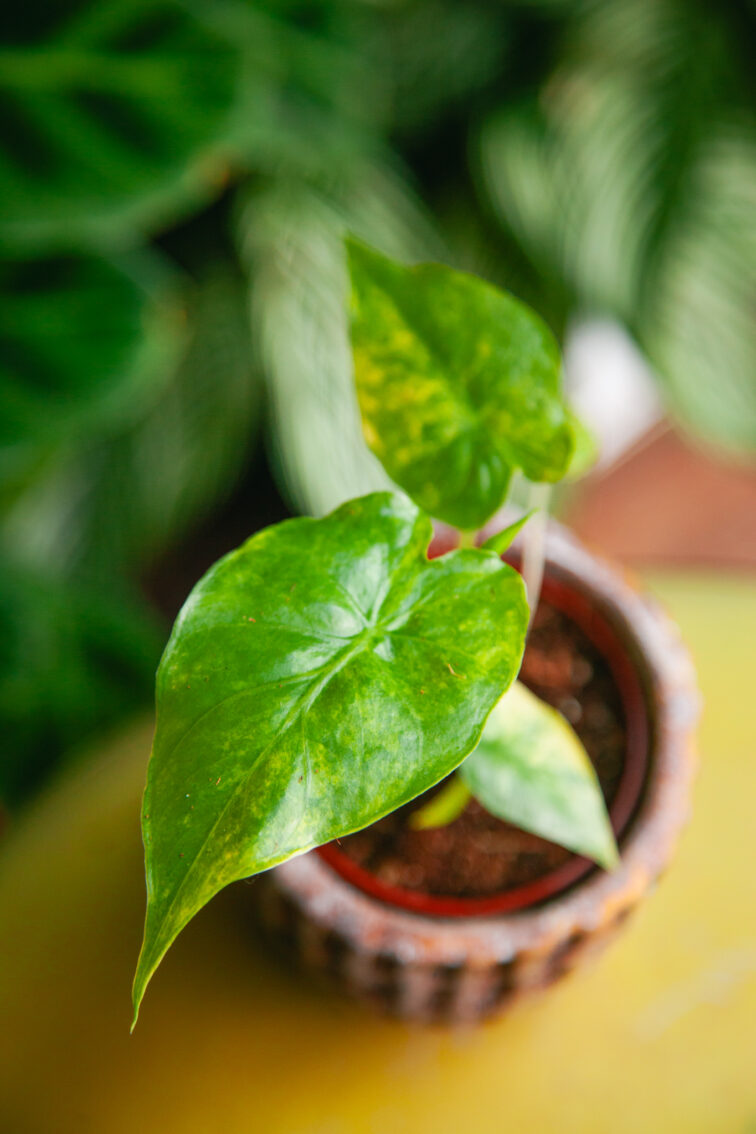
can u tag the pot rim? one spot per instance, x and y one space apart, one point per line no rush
577 606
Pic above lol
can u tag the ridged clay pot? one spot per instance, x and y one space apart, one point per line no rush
460 961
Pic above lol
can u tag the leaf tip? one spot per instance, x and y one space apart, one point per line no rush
609 858
501 541
147 963
137 994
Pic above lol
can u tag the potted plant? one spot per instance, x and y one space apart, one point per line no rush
329 687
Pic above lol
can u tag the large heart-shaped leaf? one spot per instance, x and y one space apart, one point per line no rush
113 116
458 384
531 769
317 678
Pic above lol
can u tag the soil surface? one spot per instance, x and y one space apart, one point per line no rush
478 855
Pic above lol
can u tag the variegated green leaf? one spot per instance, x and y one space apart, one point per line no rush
458 385
318 678
531 769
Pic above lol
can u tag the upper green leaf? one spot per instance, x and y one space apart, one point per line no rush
458 384
531 769
317 678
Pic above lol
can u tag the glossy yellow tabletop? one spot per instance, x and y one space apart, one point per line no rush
659 1036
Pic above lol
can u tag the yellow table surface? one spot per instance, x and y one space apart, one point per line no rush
659 1036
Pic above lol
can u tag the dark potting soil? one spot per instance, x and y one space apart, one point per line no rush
478 855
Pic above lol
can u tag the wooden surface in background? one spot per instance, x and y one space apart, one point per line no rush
668 502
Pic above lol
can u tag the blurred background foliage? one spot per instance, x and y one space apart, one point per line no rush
175 180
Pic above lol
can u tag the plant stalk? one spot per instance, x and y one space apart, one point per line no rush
534 544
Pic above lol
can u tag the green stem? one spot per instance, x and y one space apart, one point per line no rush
467 539
533 543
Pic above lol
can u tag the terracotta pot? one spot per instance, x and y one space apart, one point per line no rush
460 960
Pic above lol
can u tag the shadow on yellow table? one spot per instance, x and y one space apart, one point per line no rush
659 1036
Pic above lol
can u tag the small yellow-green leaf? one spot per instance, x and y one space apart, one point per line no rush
531 769
458 384
445 806
317 678
501 541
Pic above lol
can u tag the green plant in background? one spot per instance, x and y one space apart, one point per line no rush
327 672
114 116
175 182
631 176
119 371
611 172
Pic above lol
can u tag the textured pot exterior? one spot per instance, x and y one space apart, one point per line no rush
462 970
